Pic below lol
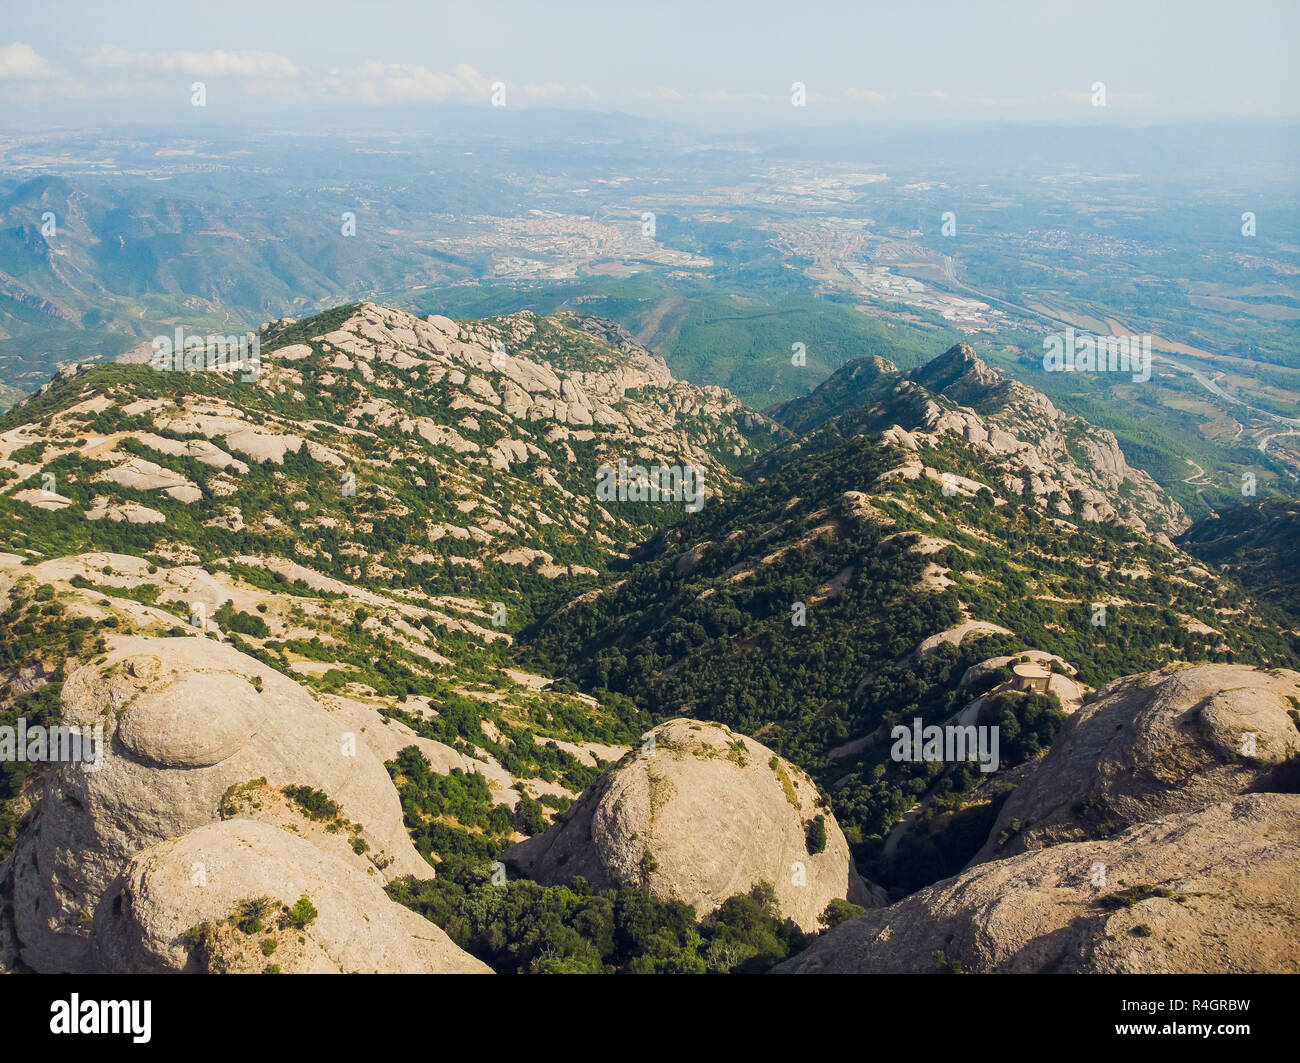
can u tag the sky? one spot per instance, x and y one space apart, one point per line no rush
713 65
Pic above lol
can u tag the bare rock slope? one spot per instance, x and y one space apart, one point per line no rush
1160 834
186 723
177 905
1212 891
707 814
1154 744
1060 461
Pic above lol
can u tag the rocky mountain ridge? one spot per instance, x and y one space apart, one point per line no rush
1065 464
434 647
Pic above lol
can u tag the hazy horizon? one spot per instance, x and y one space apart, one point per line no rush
885 65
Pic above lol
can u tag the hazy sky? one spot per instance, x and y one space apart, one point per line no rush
715 64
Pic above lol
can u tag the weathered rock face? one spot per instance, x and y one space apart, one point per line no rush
184 721
1145 841
618 390
709 814
196 883
1060 461
512 416
1211 891
1057 450
1151 745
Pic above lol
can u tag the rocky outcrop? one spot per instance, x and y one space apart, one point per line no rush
1147 840
955 636
186 721
699 815
582 373
1059 461
1056 453
512 414
1211 891
1151 745
176 907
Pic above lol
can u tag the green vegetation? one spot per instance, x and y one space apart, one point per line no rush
35 630
454 816
40 708
252 913
716 640
301 915
1261 543
240 623
316 804
746 347
839 911
254 916
521 927
814 530
816 840
1127 898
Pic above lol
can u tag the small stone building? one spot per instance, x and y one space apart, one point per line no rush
1031 677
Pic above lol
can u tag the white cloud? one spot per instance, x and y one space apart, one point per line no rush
865 95
20 62
389 83
662 92
1075 96
212 64
552 90
400 83
726 96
